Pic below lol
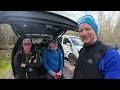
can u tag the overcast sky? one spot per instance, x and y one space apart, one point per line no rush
75 15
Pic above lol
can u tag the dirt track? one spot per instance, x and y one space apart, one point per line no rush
68 70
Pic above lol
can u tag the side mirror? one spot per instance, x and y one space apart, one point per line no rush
68 44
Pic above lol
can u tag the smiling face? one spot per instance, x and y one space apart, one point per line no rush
87 34
53 46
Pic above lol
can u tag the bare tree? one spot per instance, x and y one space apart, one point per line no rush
109 27
2 36
101 18
116 31
7 37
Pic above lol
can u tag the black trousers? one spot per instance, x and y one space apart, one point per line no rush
33 75
29 75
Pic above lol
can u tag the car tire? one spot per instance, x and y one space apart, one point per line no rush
72 59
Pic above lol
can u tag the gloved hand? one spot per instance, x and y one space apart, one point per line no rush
58 75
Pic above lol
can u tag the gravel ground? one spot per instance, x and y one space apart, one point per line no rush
9 75
68 70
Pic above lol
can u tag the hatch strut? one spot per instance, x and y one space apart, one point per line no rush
62 34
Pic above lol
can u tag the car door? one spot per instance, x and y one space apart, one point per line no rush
76 45
67 46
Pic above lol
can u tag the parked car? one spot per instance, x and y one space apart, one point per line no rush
39 26
71 47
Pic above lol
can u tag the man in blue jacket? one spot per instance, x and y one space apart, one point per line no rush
96 60
53 61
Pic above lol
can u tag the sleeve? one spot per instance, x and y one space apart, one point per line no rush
111 64
32 65
37 64
16 64
44 62
61 60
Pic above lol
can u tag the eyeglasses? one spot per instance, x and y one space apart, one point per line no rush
26 44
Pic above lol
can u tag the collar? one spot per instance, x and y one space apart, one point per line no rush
28 53
92 45
52 51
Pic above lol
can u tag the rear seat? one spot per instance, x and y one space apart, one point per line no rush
39 49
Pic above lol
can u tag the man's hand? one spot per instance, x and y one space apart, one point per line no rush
22 64
60 72
35 61
58 75
54 74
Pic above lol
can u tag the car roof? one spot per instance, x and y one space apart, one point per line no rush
37 22
69 36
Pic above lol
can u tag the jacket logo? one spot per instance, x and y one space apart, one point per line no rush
89 61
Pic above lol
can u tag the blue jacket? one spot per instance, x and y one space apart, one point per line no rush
52 60
109 65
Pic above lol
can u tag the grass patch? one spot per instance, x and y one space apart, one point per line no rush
5 66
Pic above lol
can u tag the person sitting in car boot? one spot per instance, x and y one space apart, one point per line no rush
26 62
53 61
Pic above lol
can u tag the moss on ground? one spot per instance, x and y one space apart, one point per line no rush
5 66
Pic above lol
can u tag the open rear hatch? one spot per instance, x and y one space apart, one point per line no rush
37 22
